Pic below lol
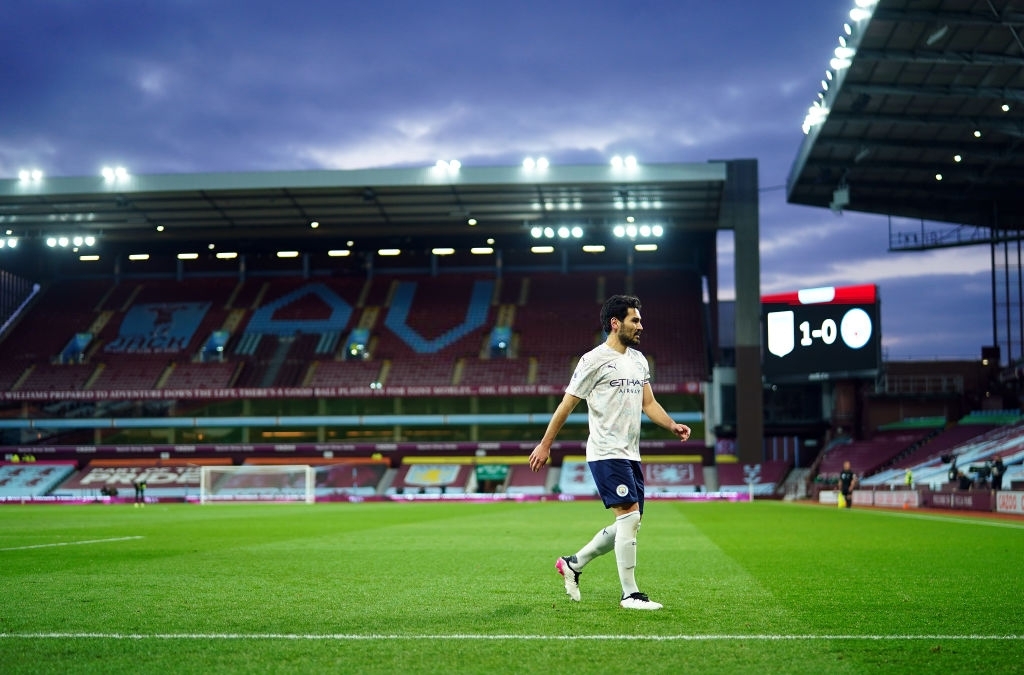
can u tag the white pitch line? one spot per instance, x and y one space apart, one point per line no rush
343 637
69 543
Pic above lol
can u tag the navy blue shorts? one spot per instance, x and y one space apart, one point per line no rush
620 482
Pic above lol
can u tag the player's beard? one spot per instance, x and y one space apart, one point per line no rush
631 341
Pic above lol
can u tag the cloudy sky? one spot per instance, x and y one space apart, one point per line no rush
165 86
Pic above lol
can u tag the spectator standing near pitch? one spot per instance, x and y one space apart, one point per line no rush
998 469
614 378
140 492
847 482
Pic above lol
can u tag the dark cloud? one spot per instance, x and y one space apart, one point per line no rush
209 85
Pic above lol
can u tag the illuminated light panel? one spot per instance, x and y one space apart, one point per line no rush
643 248
481 250
388 251
88 258
227 255
188 256
593 248
287 254
441 250
138 256
542 249
339 253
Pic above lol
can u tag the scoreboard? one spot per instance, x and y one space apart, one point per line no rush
817 334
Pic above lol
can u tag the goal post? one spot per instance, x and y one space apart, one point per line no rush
257 483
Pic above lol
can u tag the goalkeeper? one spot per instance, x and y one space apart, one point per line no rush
614 378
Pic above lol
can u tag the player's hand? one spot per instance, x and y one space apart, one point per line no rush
539 457
682 431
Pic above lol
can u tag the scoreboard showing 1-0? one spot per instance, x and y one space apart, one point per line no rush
817 334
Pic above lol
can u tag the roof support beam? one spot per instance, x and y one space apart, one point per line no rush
952 18
987 124
995 93
943 57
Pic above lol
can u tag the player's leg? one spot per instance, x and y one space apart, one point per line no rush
627 523
570 566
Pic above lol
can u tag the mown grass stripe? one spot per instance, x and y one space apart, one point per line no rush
354 637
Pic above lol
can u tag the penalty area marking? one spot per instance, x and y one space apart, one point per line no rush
70 543
342 637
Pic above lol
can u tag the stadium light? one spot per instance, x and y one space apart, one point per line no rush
449 167
536 232
30 175
115 174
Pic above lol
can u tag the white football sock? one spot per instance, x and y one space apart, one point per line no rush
602 542
625 550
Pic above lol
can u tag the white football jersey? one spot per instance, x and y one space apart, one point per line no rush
613 386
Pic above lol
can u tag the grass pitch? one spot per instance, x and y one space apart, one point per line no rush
471 588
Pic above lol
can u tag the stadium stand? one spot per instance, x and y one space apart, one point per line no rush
433 476
733 478
34 479
868 456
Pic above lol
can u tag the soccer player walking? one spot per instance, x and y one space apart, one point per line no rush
614 378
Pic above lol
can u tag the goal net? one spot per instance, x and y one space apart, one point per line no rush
257 483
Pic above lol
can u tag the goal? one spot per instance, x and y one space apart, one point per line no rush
257 483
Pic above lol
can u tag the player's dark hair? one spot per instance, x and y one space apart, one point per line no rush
617 307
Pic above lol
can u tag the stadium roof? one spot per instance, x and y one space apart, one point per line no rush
921 115
374 207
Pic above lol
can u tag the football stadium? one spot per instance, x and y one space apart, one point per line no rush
283 421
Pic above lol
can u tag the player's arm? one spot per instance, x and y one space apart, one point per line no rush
542 452
657 414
